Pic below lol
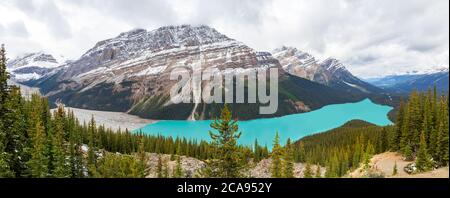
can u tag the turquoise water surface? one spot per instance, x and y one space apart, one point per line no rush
293 126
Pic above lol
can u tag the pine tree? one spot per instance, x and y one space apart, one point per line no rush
257 152
408 152
92 156
318 171
443 136
332 166
159 167
405 138
394 170
423 161
358 152
288 167
75 143
142 159
367 155
178 171
415 119
5 169
59 153
15 132
38 162
308 172
229 162
276 168
4 76
397 134
166 169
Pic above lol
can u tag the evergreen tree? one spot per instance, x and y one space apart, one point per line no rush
423 161
277 152
5 169
405 139
229 162
59 153
178 171
15 132
367 155
38 162
332 167
433 143
397 134
257 152
357 154
142 159
288 160
318 171
75 143
166 169
408 152
394 170
159 168
4 76
308 172
92 156
443 138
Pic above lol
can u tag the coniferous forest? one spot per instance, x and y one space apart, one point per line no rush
38 142
420 133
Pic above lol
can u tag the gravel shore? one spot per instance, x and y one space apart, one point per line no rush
109 119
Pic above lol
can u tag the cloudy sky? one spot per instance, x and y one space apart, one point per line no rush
372 37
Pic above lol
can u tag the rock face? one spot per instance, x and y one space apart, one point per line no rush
131 73
31 66
191 166
329 72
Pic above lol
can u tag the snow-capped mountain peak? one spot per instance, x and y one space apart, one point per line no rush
304 59
330 72
37 59
333 65
140 40
32 66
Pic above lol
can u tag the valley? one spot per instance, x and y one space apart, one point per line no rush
109 113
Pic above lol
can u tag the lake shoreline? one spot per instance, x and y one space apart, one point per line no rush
110 119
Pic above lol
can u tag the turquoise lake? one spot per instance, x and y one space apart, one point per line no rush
293 126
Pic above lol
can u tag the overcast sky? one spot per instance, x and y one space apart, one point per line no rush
372 37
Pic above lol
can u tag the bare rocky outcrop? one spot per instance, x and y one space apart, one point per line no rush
191 166
263 170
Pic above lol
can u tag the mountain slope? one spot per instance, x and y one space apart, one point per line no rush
329 72
131 73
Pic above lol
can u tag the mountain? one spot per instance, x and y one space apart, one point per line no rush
330 72
31 66
131 73
415 81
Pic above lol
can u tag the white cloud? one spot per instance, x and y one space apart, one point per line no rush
371 37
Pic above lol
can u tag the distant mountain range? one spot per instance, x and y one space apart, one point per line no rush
407 82
130 73
32 66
